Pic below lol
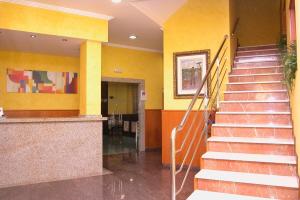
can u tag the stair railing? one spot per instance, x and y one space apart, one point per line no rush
211 86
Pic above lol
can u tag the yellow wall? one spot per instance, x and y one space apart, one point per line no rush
29 61
296 91
136 65
36 20
124 99
259 22
198 25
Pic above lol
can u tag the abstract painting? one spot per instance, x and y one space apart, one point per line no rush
20 81
189 71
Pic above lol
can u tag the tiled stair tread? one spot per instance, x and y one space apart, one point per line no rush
259 55
254 91
254 113
256 50
262 45
206 195
252 140
252 126
263 158
257 82
262 49
246 75
255 61
257 101
257 67
249 178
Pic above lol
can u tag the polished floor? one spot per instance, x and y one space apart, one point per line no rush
135 177
118 144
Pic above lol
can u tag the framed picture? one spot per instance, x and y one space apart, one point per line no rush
189 70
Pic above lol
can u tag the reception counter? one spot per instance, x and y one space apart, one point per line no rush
34 150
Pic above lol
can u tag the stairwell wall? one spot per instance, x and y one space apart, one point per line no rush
197 25
259 22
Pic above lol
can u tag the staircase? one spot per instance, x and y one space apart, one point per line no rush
251 153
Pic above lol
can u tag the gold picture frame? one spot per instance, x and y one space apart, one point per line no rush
189 70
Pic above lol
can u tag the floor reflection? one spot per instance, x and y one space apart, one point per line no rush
118 144
135 177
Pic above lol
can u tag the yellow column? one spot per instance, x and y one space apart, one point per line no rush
90 78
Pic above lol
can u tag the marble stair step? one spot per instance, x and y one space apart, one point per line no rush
252 130
250 145
258 47
206 195
255 106
259 185
260 58
267 69
258 55
250 163
256 95
256 77
257 63
277 118
262 85
257 52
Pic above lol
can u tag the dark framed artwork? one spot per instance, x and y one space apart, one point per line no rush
189 70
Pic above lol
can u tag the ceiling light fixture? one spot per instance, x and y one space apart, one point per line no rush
132 37
116 1
33 36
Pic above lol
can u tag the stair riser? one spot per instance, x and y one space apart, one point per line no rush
273 149
257 59
252 53
253 132
277 77
262 47
258 64
250 167
247 189
277 119
254 107
268 70
256 96
256 86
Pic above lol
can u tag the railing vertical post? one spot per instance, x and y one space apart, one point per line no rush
206 115
218 83
173 164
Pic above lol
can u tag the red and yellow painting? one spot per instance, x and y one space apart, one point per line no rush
30 81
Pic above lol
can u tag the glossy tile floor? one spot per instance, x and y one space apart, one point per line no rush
118 144
135 177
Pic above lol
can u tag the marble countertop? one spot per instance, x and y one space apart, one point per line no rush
48 120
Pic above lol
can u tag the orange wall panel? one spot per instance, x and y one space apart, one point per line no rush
171 119
153 129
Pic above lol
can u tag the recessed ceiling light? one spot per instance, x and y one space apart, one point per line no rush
116 1
132 37
33 36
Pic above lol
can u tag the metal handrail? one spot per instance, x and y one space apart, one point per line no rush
183 121
214 95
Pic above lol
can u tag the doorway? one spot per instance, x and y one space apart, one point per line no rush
123 132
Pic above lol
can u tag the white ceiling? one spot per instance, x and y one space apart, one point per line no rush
22 41
143 18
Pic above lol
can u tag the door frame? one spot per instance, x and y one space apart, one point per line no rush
141 104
